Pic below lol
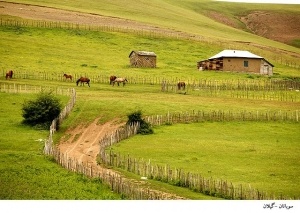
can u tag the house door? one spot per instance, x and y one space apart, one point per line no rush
266 70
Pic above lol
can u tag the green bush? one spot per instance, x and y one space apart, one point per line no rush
42 111
136 117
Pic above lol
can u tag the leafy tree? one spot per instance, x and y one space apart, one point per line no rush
41 111
136 117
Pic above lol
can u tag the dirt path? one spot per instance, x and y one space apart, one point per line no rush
82 143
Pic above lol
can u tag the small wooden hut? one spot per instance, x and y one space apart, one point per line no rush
142 59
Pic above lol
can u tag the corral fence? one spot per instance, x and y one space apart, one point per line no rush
155 33
268 89
276 90
178 177
170 84
25 88
223 116
128 188
48 147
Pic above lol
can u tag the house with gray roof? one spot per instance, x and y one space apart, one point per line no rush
237 61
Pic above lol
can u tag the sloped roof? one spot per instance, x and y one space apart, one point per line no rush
235 54
145 53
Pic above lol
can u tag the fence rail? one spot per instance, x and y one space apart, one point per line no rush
179 177
223 116
170 84
25 88
268 89
121 185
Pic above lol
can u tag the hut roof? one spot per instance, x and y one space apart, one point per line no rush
144 53
237 54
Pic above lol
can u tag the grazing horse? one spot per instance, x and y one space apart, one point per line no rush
68 76
112 78
181 85
119 80
9 74
83 80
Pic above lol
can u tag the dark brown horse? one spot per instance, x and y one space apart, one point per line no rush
9 74
68 76
181 85
112 78
83 80
120 80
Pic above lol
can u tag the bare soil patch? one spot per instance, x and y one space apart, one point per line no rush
276 26
56 15
280 27
82 142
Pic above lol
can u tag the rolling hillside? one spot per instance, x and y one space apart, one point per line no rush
206 18
191 29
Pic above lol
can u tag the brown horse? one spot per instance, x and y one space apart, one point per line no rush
120 80
68 76
83 80
112 78
9 74
181 85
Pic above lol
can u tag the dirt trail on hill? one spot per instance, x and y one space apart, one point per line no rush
57 15
82 144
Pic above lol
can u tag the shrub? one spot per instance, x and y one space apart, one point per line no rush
42 111
136 117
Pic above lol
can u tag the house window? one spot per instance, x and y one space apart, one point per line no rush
246 63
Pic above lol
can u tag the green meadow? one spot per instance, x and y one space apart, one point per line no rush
259 155
262 155
26 174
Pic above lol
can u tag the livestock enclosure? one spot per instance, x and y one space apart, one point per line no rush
177 176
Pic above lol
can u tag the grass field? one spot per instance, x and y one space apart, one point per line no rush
91 53
27 174
264 156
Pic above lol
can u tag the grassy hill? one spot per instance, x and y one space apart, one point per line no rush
187 16
43 51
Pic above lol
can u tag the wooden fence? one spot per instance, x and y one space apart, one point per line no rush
223 116
268 89
126 187
170 84
25 88
274 91
121 185
178 177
